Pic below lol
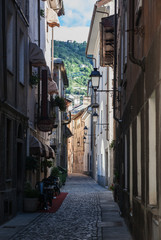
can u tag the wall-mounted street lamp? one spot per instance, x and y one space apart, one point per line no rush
95 79
85 130
95 116
84 139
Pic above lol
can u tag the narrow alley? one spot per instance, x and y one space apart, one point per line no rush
88 212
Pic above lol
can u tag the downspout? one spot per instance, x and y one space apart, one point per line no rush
38 9
4 50
132 58
115 65
16 82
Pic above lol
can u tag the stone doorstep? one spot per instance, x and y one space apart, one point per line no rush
110 234
109 224
107 205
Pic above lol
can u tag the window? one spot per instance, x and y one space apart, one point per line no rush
126 176
101 120
101 165
139 155
152 150
10 42
122 56
131 168
21 57
125 57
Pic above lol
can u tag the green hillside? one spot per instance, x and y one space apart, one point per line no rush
78 67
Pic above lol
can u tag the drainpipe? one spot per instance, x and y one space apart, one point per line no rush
115 66
132 58
4 50
38 9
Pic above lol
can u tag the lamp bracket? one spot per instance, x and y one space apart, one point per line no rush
108 90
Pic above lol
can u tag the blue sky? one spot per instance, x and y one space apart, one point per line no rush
75 24
77 13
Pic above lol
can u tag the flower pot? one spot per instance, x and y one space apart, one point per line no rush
30 204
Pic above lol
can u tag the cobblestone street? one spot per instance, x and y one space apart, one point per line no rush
79 217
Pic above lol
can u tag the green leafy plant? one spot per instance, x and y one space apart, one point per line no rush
112 144
78 67
47 163
29 192
34 79
116 176
111 187
60 102
31 163
42 14
55 172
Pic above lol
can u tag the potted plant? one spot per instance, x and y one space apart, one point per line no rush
59 102
46 164
31 198
55 172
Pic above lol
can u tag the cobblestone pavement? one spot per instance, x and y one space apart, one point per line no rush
77 217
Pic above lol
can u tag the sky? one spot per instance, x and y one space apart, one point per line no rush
75 24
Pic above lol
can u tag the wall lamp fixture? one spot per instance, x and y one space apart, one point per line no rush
95 79
84 139
95 116
85 130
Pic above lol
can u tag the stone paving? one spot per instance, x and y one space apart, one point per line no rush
82 216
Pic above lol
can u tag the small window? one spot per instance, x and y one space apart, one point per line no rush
21 58
10 42
126 28
101 120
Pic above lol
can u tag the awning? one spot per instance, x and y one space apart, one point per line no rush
36 55
40 149
57 6
52 18
51 152
100 3
48 72
36 147
52 87
68 133
45 150
107 41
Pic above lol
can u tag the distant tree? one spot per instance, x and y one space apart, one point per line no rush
73 55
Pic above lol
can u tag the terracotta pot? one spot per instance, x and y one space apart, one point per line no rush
30 204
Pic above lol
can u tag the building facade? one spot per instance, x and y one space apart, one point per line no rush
13 102
23 74
137 152
103 128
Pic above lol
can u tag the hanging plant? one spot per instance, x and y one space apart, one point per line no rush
42 14
34 79
59 102
47 163
31 163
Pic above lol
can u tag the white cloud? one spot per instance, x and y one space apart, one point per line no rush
78 34
77 12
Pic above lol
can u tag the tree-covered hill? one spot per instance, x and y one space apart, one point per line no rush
78 67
